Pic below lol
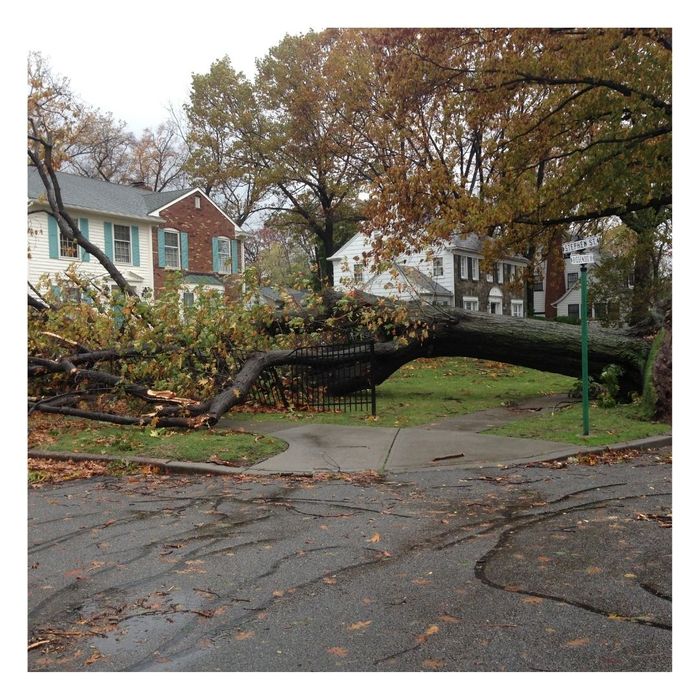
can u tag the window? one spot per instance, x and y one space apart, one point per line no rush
507 272
171 247
468 268
122 244
188 299
69 248
572 311
223 252
358 272
571 279
438 270
197 202
516 307
470 303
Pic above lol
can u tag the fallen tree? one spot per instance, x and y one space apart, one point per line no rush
552 347
152 366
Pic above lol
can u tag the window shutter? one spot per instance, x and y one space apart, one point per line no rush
234 255
470 268
135 253
53 238
215 254
161 248
85 230
184 251
475 268
109 241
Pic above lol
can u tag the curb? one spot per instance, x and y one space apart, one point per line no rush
187 467
221 470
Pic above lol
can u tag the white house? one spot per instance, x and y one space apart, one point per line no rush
113 217
448 273
148 235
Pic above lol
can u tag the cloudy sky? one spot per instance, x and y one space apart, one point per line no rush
135 58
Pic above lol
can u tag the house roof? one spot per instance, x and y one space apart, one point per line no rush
473 244
96 195
157 200
421 282
202 278
275 294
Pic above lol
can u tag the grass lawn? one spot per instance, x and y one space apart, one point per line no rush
428 389
607 426
70 435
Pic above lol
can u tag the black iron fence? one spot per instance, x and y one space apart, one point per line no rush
328 377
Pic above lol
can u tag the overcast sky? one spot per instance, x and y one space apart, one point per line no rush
136 57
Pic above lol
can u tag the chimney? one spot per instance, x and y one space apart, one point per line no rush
140 185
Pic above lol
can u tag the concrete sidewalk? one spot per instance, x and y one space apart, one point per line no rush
455 442
335 448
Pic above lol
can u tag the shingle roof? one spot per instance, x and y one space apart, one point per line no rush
87 193
157 200
421 282
202 278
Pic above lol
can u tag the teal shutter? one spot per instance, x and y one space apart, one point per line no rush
161 248
135 254
85 230
109 241
215 254
184 251
53 238
234 255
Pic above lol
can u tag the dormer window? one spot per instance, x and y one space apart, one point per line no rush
197 202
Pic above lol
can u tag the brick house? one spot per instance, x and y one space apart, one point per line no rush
147 234
196 238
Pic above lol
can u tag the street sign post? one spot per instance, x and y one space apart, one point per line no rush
583 259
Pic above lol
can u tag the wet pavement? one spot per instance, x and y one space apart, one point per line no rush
455 568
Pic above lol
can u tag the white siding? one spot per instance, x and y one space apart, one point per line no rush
40 263
387 283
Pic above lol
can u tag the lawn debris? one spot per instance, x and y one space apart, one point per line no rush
662 519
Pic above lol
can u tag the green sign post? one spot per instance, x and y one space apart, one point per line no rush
584 348
583 260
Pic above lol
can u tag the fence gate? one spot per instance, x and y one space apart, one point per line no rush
337 377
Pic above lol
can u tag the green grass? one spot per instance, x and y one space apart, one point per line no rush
607 425
194 446
426 390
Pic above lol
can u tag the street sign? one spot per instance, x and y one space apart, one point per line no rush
586 259
590 242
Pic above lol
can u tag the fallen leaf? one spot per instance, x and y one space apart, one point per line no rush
360 625
376 537
277 594
337 651
450 618
96 656
240 636
433 629
330 580
592 570
432 664
581 642
532 600
421 581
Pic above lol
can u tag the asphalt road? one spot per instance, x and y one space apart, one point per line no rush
470 569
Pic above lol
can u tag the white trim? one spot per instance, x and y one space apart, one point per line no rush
194 190
466 300
37 207
179 251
